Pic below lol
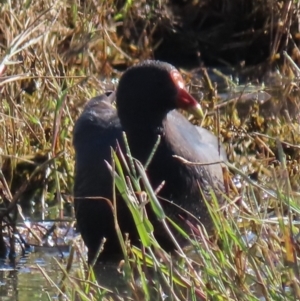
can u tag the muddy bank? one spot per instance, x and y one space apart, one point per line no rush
214 32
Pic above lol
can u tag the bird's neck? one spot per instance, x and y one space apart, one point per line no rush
142 140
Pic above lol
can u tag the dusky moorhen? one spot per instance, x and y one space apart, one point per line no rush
146 99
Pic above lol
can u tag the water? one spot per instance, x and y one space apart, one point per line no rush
26 282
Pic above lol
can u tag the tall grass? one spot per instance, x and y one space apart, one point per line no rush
253 256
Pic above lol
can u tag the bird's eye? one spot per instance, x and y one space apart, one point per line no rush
177 79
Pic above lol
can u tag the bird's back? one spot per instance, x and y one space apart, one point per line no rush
96 131
185 181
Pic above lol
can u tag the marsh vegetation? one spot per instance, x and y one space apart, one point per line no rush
238 57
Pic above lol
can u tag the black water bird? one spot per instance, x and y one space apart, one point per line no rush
146 99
